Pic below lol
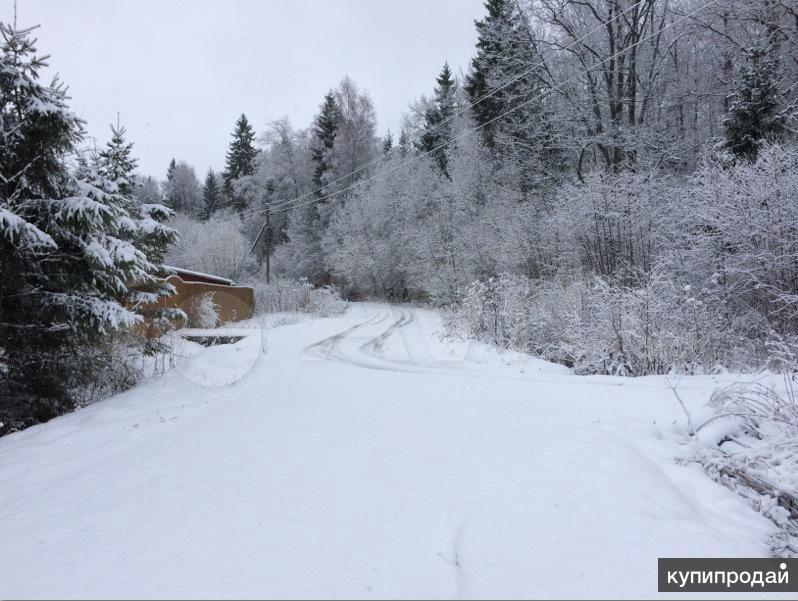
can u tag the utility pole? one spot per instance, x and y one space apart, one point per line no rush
267 227
268 243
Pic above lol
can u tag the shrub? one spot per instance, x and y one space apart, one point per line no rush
296 296
596 327
204 312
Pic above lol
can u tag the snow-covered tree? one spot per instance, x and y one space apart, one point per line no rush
240 161
325 129
355 142
147 230
437 118
148 190
65 255
342 141
216 245
511 108
211 196
754 114
182 190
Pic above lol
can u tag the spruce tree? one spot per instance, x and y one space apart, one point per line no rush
240 161
387 143
753 116
511 108
117 163
148 232
211 196
325 129
171 169
438 126
492 47
64 256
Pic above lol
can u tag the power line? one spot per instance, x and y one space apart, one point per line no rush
288 205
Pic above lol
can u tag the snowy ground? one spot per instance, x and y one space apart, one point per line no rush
362 457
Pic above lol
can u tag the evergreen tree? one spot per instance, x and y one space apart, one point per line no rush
115 163
240 161
64 256
753 116
325 129
438 128
492 46
516 121
211 196
387 143
307 222
171 170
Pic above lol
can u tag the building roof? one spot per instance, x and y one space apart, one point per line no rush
196 276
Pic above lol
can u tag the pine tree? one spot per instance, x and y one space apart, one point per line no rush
64 256
492 47
211 196
117 163
512 112
147 232
753 116
171 170
240 161
438 126
387 143
325 129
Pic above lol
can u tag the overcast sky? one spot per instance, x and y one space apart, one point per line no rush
180 72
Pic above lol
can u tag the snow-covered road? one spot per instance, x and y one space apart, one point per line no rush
361 456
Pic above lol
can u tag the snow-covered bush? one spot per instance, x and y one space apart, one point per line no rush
204 312
296 296
498 310
595 327
108 368
750 444
609 222
649 273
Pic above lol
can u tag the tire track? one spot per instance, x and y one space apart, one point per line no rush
328 347
368 352
375 346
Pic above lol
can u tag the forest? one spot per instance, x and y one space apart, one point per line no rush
611 185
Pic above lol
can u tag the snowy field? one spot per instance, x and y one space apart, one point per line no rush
361 456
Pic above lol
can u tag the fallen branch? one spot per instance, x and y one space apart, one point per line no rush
787 500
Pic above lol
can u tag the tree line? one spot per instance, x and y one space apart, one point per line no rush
588 146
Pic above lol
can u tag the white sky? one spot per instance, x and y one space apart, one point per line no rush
180 72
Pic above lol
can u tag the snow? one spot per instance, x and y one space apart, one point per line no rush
360 456
219 365
12 226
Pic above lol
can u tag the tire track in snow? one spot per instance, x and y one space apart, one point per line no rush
329 347
344 348
375 346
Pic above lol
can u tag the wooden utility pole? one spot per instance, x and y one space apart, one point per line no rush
268 244
267 227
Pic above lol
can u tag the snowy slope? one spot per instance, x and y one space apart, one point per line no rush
362 457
